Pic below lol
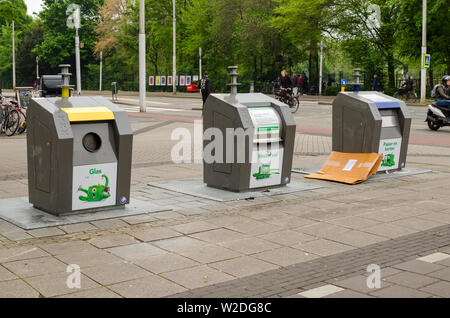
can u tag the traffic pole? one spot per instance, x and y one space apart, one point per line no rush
423 71
174 74
321 68
101 71
14 56
142 80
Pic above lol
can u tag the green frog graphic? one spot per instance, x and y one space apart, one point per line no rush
96 193
264 172
388 161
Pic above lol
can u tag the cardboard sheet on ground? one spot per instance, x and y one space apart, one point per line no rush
350 168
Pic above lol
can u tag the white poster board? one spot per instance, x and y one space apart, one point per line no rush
94 186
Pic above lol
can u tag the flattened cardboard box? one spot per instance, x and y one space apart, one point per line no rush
350 168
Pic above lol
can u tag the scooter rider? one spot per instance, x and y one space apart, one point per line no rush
443 93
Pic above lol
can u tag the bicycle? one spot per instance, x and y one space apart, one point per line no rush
23 117
9 119
293 100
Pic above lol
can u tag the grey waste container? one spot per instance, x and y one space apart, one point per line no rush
51 85
268 129
371 122
79 153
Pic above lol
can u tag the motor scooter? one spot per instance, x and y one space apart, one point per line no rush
437 116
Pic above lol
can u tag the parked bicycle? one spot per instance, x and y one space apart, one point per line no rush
23 117
9 118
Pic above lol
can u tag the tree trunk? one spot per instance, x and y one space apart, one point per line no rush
391 71
430 77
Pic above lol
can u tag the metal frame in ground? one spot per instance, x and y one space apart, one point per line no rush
19 212
196 188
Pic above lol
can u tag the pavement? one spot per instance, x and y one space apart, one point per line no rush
317 243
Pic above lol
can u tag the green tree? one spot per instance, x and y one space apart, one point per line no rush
58 45
410 38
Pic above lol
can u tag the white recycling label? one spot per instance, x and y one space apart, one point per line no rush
390 150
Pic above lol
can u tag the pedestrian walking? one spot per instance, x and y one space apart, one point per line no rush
376 86
205 86
294 80
305 84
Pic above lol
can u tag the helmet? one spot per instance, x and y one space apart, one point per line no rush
445 78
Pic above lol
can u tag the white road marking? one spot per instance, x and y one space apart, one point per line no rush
136 109
433 258
148 102
322 291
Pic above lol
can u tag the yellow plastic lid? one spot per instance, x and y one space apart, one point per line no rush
88 113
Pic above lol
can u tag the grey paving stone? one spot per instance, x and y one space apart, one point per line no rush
397 291
79 227
179 243
443 274
56 284
354 222
139 219
417 223
356 238
166 215
285 256
194 227
20 253
419 267
112 240
87 259
208 253
109 224
321 229
17 235
441 289
243 266
251 245
135 251
36 266
45 232
6 274
389 230
68 247
287 237
196 277
411 280
289 221
17 289
148 234
218 236
324 247
435 216
348 294
148 287
252 227
165 263
107 274
359 283
92 293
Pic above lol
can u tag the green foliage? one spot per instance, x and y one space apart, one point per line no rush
261 37
58 41
410 23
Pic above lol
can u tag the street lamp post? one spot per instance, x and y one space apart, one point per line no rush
101 72
200 63
142 81
423 73
37 67
321 68
77 18
13 56
174 75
